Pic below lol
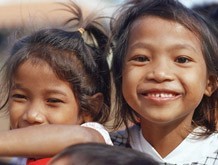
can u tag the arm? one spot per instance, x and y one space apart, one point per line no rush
44 140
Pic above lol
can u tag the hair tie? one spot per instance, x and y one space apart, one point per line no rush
81 30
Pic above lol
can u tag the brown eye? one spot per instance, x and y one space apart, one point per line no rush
141 59
54 100
18 96
183 60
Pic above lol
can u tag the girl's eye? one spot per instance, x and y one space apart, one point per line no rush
141 58
19 96
183 59
54 100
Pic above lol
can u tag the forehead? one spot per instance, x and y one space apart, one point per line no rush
40 75
150 23
33 65
33 62
160 32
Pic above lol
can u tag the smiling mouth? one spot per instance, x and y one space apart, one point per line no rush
160 95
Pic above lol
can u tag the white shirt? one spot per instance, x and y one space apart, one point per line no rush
191 151
100 128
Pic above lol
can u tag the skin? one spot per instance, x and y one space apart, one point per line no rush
166 77
45 110
38 141
41 98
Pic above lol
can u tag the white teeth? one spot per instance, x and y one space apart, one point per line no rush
161 95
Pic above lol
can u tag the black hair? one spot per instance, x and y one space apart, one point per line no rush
209 10
98 154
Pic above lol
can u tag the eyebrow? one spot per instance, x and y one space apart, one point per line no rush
173 47
55 91
48 91
17 86
184 46
140 45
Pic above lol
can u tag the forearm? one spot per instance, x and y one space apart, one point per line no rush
45 140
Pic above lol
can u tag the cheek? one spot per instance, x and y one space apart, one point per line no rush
131 77
195 85
14 116
64 116
127 82
130 80
196 80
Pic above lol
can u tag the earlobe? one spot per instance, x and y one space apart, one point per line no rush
212 85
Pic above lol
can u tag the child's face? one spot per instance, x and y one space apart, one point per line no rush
164 74
38 96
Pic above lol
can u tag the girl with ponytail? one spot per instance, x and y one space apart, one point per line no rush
57 87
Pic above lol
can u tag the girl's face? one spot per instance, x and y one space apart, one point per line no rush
164 73
38 96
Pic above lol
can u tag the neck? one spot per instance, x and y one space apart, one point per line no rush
164 138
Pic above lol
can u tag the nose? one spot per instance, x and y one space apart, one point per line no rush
34 114
160 72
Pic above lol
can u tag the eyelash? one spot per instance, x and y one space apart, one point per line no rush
19 96
22 97
183 59
54 100
140 58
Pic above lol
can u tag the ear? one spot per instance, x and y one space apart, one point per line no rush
97 102
212 85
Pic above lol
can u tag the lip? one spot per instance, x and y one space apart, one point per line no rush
160 95
24 124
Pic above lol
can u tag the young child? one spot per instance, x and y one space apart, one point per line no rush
165 68
82 154
57 77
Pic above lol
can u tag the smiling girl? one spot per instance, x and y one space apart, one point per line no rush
57 87
165 68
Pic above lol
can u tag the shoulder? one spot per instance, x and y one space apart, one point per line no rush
93 125
101 129
211 149
209 145
213 140
210 140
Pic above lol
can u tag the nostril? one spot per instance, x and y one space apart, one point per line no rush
33 117
160 75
